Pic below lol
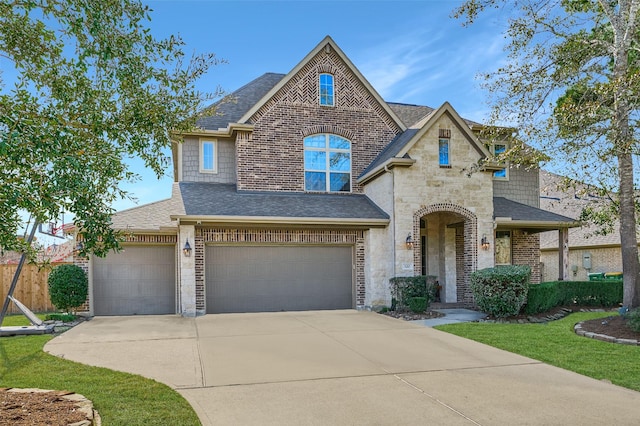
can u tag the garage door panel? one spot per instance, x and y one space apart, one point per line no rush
139 280
276 278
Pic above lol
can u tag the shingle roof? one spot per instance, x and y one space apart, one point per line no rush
390 150
212 199
560 201
233 107
411 114
503 207
152 216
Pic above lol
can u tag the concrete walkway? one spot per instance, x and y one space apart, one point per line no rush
341 368
452 316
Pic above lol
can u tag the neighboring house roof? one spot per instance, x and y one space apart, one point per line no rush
152 217
567 201
233 107
511 214
223 202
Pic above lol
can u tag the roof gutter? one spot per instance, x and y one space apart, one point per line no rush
507 222
282 221
385 167
221 132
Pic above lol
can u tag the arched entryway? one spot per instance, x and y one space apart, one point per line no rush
445 238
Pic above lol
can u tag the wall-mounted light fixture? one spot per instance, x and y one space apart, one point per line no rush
484 243
409 242
79 246
187 249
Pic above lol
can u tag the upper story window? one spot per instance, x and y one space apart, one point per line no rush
443 153
500 148
326 90
327 163
208 156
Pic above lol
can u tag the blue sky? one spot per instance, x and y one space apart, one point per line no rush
410 51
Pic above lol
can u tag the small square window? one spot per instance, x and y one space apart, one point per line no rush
326 90
443 153
208 156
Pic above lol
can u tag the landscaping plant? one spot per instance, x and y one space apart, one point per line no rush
405 289
633 319
68 287
501 291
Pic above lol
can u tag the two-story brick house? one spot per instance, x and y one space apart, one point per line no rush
309 191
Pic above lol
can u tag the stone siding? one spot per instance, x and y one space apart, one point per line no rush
226 162
272 157
523 186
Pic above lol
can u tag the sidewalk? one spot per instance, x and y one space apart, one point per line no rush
452 316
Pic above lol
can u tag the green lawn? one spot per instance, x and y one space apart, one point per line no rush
555 343
120 398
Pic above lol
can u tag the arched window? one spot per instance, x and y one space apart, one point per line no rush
327 163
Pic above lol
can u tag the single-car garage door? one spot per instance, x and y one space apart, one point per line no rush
137 281
278 278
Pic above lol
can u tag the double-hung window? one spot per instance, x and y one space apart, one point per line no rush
327 163
208 156
326 90
443 153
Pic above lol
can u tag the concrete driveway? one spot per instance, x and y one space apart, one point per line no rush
341 367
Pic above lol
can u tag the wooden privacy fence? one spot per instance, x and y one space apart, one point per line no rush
32 289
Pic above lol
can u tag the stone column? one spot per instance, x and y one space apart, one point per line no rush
187 274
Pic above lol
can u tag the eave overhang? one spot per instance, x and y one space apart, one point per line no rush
533 225
387 165
281 221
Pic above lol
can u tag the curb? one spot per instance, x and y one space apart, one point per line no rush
603 337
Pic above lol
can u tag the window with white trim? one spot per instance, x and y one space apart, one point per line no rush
326 90
327 163
208 156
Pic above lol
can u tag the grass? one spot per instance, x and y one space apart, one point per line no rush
555 343
120 398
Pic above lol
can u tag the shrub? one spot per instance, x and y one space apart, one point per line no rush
545 296
633 319
418 304
68 286
405 288
60 317
501 291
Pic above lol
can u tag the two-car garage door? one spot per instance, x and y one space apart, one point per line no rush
278 278
140 280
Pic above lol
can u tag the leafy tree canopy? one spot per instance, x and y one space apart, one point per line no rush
572 85
92 87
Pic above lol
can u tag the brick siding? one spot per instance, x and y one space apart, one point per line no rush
525 250
272 157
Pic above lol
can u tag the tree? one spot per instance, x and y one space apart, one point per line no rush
92 87
68 287
572 85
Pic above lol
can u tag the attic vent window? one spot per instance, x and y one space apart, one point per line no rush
444 133
326 90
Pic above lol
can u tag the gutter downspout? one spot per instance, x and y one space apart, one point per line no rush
393 221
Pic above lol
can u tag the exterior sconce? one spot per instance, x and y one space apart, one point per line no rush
484 243
187 249
79 246
409 242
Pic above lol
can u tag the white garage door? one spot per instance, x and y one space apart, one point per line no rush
278 278
137 281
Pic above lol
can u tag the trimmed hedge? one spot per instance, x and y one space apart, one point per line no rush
501 291
405 289
545 296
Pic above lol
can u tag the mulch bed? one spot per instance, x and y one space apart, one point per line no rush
412 316
615 326
43 408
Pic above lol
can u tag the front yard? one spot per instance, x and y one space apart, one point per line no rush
555 343
120 398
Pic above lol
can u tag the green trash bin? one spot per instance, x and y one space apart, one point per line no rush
596 276
613 276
